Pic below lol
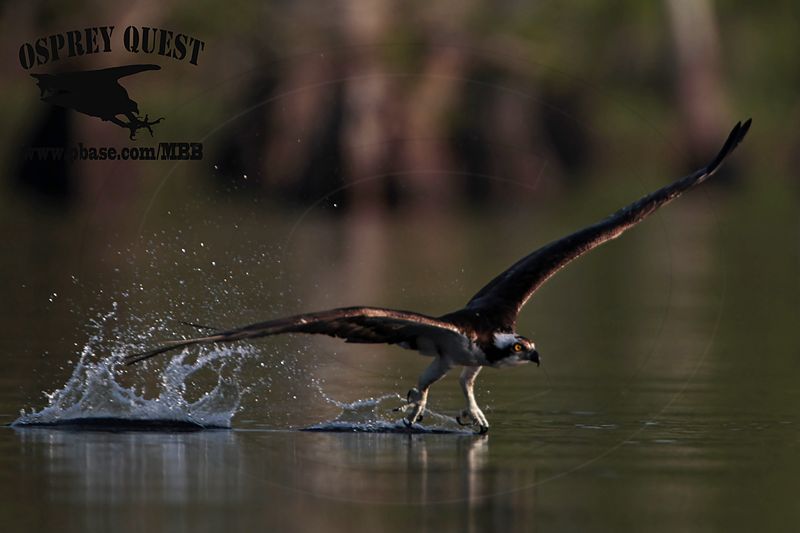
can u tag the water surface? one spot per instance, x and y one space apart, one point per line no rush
671 403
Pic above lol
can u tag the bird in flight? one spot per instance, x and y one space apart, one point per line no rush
97 93
483 333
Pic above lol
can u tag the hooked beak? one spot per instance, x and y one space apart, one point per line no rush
534 357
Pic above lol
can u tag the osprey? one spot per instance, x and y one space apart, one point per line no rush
97 93
483 333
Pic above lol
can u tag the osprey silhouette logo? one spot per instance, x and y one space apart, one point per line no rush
98 93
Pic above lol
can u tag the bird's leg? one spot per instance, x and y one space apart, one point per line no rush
472 415
120 123
418 396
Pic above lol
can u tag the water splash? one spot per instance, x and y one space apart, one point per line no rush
378 415
95 389
102 392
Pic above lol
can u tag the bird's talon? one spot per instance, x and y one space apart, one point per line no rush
466 415
462 423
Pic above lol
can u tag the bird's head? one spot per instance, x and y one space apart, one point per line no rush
517 349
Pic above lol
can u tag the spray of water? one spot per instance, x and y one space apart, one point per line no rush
95 389
378 415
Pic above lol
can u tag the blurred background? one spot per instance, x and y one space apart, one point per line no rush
346 143
400 154
304 98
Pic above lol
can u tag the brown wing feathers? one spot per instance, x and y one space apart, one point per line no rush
495 306
504 296
354 324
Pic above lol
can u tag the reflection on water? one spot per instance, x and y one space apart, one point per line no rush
240 471
671 403
115 468
570 471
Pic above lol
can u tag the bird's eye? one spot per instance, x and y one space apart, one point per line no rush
518 347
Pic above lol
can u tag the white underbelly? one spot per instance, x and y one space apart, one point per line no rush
456 351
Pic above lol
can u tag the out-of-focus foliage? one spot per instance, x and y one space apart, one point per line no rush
304 98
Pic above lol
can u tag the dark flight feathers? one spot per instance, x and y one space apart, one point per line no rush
495 306
354 324
80 80
503 297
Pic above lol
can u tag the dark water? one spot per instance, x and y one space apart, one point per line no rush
670 399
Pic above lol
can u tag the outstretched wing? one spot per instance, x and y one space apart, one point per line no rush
115 73
504 296
354 324
80 81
